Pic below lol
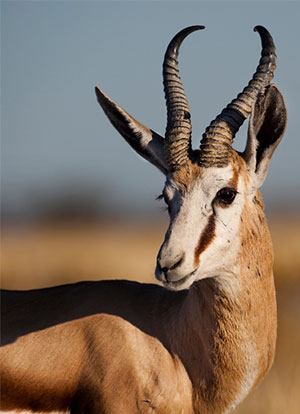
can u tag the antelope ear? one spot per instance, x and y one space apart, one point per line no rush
266 128
143 140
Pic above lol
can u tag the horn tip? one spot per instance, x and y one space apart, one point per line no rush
101 96
260 29
98 91
191 29
199 27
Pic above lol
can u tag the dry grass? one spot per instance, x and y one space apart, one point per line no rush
286 241
44 256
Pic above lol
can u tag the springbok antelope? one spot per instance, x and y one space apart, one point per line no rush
204 340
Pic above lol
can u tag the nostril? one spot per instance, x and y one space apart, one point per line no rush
170 266
178 263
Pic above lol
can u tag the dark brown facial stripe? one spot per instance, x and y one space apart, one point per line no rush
206 238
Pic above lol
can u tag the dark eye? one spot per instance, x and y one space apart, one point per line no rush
226 195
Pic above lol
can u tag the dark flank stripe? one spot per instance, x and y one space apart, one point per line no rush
206 238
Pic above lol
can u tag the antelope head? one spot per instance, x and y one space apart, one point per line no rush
207 190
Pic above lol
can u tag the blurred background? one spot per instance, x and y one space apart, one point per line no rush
76 201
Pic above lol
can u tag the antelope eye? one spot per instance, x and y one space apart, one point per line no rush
226 195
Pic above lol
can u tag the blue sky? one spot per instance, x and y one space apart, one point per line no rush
53 53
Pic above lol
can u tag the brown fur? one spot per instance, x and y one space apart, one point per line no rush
187 175
121 347
233 182
191 172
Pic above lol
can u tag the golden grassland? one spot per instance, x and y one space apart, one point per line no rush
41 256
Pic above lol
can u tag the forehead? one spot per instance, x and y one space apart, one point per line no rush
186 177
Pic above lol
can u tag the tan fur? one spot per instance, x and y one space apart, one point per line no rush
236 166
256 261
191 173
120 347
256 258
187 175
137 348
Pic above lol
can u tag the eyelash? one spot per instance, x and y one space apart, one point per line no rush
167 207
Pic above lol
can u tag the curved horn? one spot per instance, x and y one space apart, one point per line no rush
217 140
179 128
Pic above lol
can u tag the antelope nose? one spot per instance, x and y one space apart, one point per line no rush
167 266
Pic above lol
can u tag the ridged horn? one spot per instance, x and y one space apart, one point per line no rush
217 140
179 128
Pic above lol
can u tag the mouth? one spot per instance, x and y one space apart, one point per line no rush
181 283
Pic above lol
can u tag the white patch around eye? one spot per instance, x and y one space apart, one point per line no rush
214 179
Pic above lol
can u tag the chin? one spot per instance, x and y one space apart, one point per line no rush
181 284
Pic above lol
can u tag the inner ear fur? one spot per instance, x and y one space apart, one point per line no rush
269 120
266 128
146 142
